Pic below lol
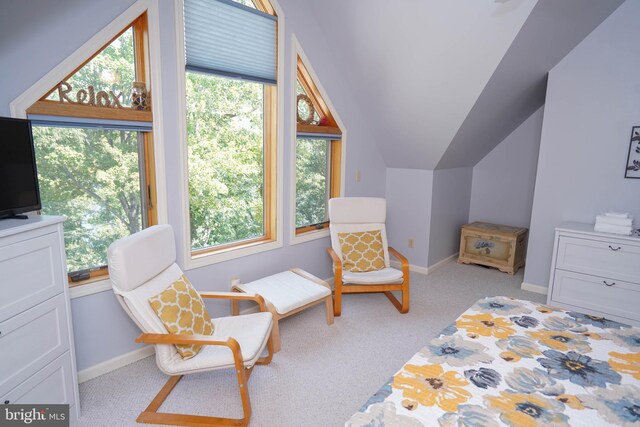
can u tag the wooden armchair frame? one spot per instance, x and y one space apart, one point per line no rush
151 415
402 307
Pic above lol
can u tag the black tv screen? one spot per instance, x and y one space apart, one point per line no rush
18 175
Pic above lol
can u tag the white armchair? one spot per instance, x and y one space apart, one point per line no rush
143 265
355 215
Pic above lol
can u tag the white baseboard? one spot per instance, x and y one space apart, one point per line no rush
115 363
442 263
534 288
426 270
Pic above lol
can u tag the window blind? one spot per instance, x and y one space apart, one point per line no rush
227 38
78 122
311 135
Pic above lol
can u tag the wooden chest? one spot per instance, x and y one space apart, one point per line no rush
493 245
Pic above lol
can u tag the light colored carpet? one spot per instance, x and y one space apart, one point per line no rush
323 373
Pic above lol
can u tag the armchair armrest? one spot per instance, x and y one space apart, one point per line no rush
235 296
337 262
403 260
337 270
183 339
231 343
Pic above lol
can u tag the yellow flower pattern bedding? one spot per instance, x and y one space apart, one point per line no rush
516 363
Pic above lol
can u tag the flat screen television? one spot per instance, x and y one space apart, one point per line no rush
19 190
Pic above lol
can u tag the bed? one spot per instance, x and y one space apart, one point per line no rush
510 362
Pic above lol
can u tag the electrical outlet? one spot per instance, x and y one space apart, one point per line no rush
411 243
358 176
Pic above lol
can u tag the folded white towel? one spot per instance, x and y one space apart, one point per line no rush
616 229
612 220
618 214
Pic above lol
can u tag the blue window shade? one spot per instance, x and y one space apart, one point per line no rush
78 122
311 135
229 39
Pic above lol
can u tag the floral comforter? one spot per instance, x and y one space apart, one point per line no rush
516 363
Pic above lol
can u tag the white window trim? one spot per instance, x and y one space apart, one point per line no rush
18 106
296 50
185 258
90 288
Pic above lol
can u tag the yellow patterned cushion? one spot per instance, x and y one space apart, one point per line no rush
362 251
182 311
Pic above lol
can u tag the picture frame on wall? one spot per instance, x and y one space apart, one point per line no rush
633 158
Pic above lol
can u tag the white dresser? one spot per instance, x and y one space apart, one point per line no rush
37 360
596 273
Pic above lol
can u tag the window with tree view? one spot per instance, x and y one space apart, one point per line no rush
230 88
91 176
313 176
95 162
225 131
318 156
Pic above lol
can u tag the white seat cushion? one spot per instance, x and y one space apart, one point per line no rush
286 291
384 276
252 332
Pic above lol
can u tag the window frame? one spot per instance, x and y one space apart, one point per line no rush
140 33
272 166
86 52
310 83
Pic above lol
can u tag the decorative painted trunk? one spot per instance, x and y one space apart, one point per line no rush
493 245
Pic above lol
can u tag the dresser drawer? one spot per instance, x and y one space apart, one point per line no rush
31 340
50 385
600 258
30 272
590 292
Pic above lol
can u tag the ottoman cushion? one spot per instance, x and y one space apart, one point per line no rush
286 291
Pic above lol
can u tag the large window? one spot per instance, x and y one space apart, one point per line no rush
318 156
92 176
225 136
230 119
313 176
94 151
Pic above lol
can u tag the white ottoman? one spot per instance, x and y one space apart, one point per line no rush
287 293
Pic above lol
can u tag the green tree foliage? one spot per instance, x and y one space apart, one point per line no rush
225 139
113 69
312 181
92 176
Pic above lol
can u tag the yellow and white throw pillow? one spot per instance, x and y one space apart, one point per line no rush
182 311
362 251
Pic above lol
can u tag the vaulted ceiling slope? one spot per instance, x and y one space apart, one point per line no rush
518 86
444 81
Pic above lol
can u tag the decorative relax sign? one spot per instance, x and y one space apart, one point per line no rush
102 98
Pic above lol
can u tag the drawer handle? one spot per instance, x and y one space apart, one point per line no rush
608 284
615 249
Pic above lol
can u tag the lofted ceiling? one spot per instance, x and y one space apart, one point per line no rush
445 81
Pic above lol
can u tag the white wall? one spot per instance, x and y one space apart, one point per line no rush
504 180
36 35
418 67
593 100
429 207
449 211
409 193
